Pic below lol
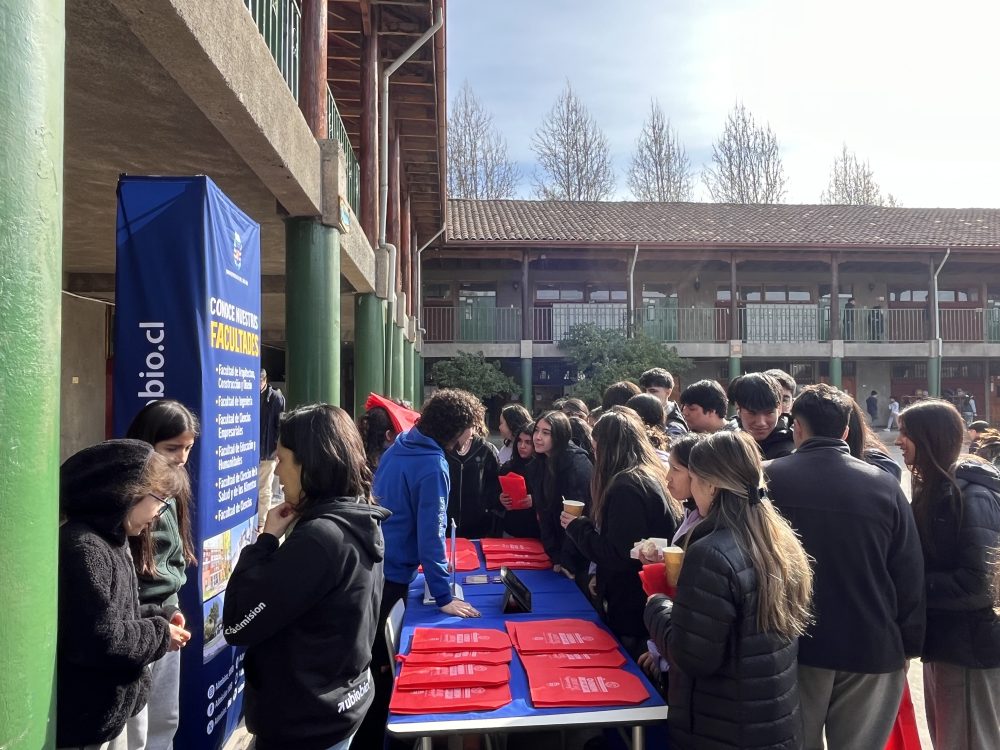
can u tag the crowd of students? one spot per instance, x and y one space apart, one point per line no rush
808 580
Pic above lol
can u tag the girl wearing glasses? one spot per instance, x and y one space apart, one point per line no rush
162 552
109 493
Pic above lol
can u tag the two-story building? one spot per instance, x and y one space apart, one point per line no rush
841 294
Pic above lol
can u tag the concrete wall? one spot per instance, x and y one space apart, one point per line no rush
82 385
874 375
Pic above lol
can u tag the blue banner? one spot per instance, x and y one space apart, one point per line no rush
187 327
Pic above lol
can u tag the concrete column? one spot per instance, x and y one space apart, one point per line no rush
836 372
407 370
369 348
32 60
312 312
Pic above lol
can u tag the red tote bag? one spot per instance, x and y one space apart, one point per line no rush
904 732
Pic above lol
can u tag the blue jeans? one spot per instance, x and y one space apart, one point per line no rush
342 745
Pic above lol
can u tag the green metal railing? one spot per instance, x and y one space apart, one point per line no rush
280 23
339 132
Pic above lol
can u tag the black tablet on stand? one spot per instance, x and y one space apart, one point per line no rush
516 596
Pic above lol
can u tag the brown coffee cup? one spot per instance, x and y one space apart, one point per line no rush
673 557
573 507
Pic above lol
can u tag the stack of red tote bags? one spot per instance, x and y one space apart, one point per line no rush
516 553
453 670
574 663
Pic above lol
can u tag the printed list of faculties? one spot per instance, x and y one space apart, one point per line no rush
237 452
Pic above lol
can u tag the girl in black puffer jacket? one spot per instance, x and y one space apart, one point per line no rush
956 504
730 634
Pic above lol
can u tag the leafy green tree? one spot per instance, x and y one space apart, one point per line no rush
604 356
473 373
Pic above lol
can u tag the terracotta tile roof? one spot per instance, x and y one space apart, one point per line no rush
719 224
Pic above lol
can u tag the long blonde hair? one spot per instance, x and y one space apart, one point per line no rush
624 450
731 462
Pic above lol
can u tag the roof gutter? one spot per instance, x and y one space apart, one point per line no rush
419 291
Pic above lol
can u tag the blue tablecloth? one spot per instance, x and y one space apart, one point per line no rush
553 596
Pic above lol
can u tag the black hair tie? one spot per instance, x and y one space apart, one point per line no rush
755 493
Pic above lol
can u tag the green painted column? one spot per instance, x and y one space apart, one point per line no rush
369 348
836 372
396 352
407 370
527 396
32 60
418 380
312 312
934 376
735 368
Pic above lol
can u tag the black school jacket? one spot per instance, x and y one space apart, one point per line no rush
474 489
868 589
521 523
634 509
572 481
731 685
307 612
962 626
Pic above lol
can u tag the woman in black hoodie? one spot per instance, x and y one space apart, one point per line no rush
108 493
566 476
629 503
307 610
956 504
473 470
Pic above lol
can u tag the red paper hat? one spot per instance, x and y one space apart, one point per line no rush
402 418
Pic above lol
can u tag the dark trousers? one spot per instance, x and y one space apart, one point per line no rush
371 733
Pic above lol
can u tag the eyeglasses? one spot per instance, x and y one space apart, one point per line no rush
167 502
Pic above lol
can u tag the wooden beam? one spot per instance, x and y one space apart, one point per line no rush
369 135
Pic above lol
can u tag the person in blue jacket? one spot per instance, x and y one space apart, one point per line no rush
413 482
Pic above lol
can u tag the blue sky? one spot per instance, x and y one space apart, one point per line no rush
910 86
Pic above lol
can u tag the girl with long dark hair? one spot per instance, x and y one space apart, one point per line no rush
522 521
743 599
513 417
629 502
566 476
377 432
864 443
307 610
956 504
162 554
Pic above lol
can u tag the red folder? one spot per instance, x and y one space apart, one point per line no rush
452 676
449 700
402 418
513 485
441 658
602 659
555 687
459 639
549 636
517 563
468 558
512 544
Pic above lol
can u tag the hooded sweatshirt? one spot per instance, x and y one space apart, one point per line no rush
475 488
413 483
307 613
104 644
959 562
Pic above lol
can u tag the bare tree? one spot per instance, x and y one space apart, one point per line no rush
852 183
574 157
660 169
478 164
746 162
